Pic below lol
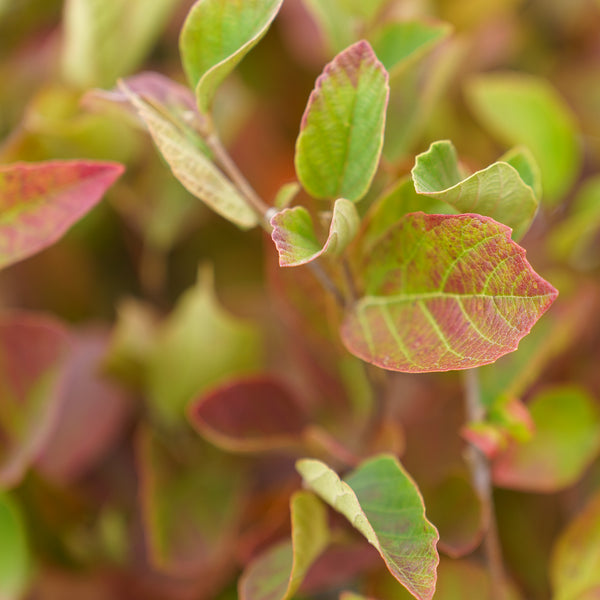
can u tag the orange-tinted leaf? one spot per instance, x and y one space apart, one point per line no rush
39 202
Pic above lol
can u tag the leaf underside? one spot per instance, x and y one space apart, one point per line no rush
444 292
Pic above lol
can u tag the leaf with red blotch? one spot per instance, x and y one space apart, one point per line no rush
32 348
91 416
249 415
40 201
444 292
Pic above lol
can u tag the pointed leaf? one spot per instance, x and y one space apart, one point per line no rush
575 567
523 109
199 346
31 352
565 442
105 39
521 158
278 573
381 500
444 292
189 163
216 36
249 415
14 552
497 191
341 136
295 238
39 202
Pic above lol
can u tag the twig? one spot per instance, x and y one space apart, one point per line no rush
480 475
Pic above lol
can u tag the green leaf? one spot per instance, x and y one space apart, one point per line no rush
575 566
523 109
216 36
106 39
278 573
338 26
497 191
521 158
295 238
286 194
39 202
565 442
444 292
14 551
189 163
199 346
341 136
381 500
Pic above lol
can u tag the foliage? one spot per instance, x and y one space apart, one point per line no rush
212 381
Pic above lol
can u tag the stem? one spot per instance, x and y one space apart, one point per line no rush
481 477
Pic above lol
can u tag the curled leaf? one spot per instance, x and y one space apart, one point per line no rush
384 504
295 238
444 292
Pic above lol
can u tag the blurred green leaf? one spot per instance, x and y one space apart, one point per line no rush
194 170
524 109
575 567
565 442
296 240
199 346
277 573
106 39
381 500
497 191
14 551
216 36
338 26
341 135
39 202
444 292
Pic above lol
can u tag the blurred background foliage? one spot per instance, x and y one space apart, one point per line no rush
123 499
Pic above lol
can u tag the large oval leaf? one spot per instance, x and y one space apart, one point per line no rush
278 573
215 37
194 170
39 202
497 191
381 500
341 136
522 109
444 292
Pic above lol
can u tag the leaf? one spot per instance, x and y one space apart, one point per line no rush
278 573
523 109
199 346
190 165
575 565
249 415
216 36
14 551
93 412
444 292
105 39
497 191
565 442
338 26
295 238
31 353
383 503
39 202
521 158
341 135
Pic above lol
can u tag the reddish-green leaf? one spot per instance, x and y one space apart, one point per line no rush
278 573
497 191
381 500
565 442
31 352
575 567
249 415
341 136
216 36
444 292
296 240
39 202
